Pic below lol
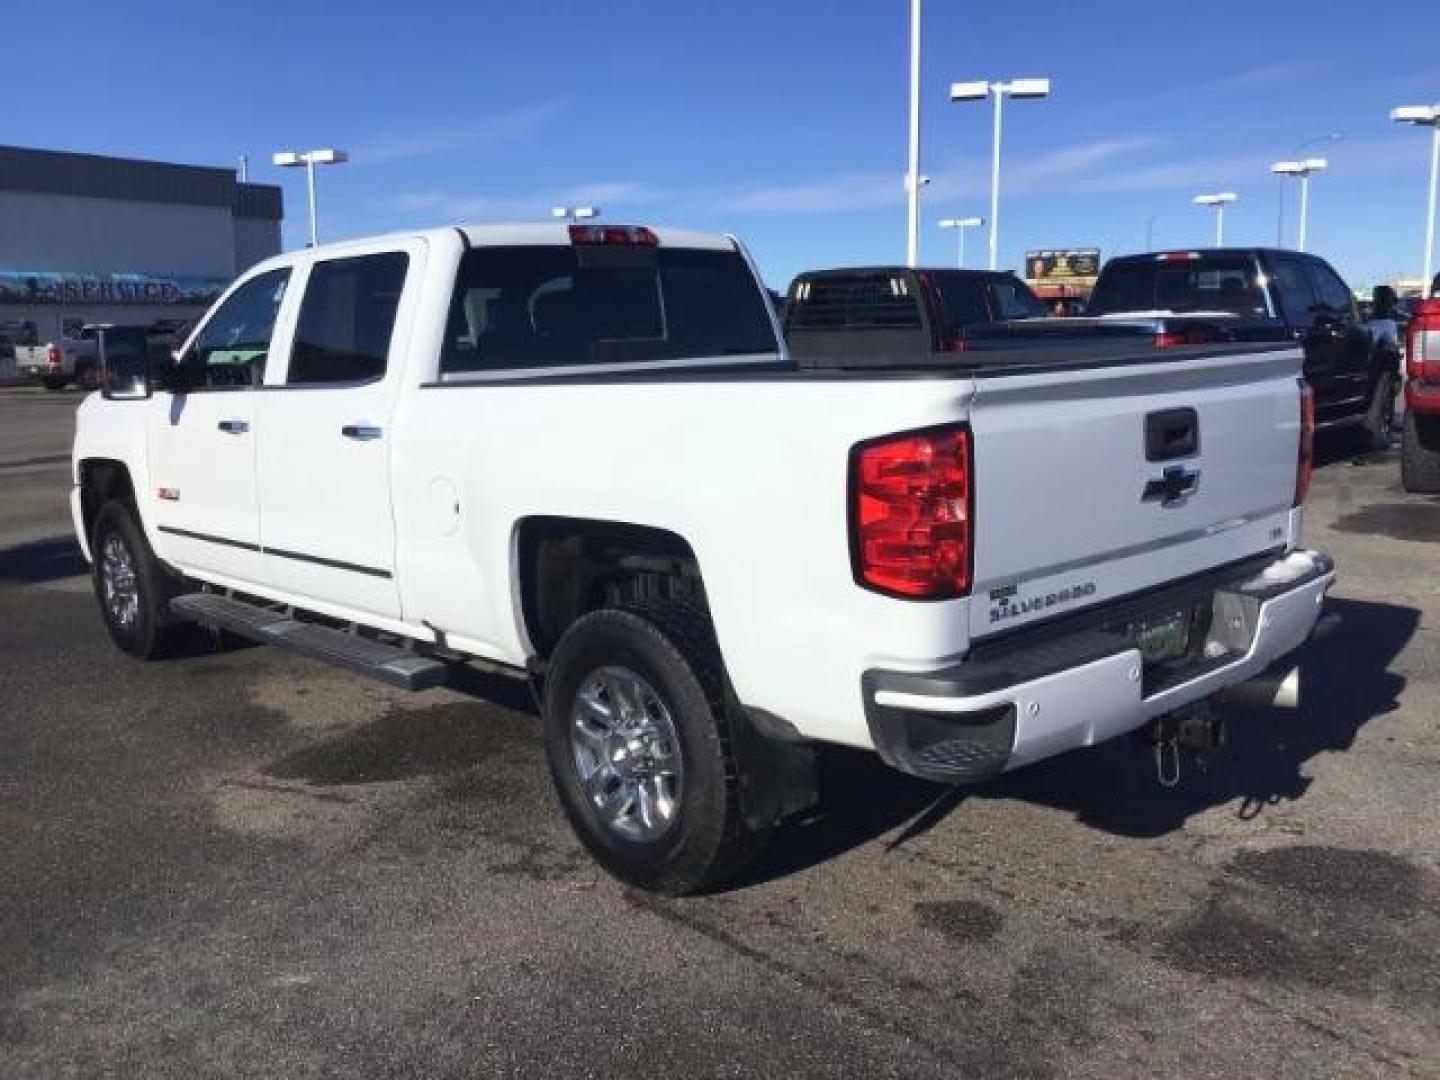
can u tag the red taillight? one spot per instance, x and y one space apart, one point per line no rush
53 356
1422 343
912 514
1171 339
1305 469
613 234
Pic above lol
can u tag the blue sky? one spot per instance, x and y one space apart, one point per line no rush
783 122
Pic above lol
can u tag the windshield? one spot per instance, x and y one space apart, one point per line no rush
1228 283
532 307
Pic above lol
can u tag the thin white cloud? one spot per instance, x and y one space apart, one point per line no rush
856 191
1256 78
437 205
484 131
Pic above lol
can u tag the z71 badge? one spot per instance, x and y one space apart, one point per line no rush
1006 603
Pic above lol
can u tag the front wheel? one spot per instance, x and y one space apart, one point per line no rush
132 586
1420 454
638 741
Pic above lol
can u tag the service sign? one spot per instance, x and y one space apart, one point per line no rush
1063 266
51 287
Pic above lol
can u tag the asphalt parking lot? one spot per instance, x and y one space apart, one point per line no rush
248 864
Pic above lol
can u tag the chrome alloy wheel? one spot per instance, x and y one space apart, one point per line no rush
118 583
627 753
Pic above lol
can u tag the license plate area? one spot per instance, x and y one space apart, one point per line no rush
1162 636
1171 640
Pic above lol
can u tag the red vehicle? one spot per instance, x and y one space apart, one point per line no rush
1420 450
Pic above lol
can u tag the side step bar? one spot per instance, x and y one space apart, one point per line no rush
388 663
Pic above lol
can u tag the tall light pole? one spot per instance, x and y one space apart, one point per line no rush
1333 136
1304 170
998 91
292 159
574 213
1219 200
960 225
1426 116
912 174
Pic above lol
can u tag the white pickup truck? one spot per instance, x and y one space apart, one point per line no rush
57 364
583 455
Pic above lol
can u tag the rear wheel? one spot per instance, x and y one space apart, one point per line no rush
54 382
1379 423
132 586
637 734
1420 454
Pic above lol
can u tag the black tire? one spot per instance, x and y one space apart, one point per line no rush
1378 426
147 633
671 646
1420 454
54 382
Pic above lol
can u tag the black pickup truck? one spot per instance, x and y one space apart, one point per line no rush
1143 306
896 316
1245 296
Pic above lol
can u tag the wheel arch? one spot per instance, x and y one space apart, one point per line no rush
564 567
101 480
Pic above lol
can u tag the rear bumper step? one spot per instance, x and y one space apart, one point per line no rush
971 721
388 663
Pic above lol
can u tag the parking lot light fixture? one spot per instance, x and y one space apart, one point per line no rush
1218 201
294 159
1426 116
575 213
960 225
979 90
1303 170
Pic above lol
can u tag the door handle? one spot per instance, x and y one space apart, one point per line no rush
234 427
362 432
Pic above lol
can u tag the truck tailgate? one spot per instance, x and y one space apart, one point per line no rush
1073 509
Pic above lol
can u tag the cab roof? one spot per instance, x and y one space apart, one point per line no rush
558 232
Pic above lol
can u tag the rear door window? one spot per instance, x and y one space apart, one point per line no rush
964 302
347 318
566 306
1014 300
1292 284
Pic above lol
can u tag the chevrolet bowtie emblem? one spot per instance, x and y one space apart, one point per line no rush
1173 487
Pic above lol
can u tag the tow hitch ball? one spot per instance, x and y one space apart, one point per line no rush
1197 731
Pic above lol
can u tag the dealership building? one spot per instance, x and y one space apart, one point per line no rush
85 238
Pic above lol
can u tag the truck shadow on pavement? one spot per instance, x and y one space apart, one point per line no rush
41 561
1112 787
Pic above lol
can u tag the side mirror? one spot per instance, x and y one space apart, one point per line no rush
125 371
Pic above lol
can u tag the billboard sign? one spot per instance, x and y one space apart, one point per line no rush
1077 267
54 287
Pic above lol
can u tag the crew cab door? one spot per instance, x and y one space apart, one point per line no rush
1339 337
1337 347
324 464
201 499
